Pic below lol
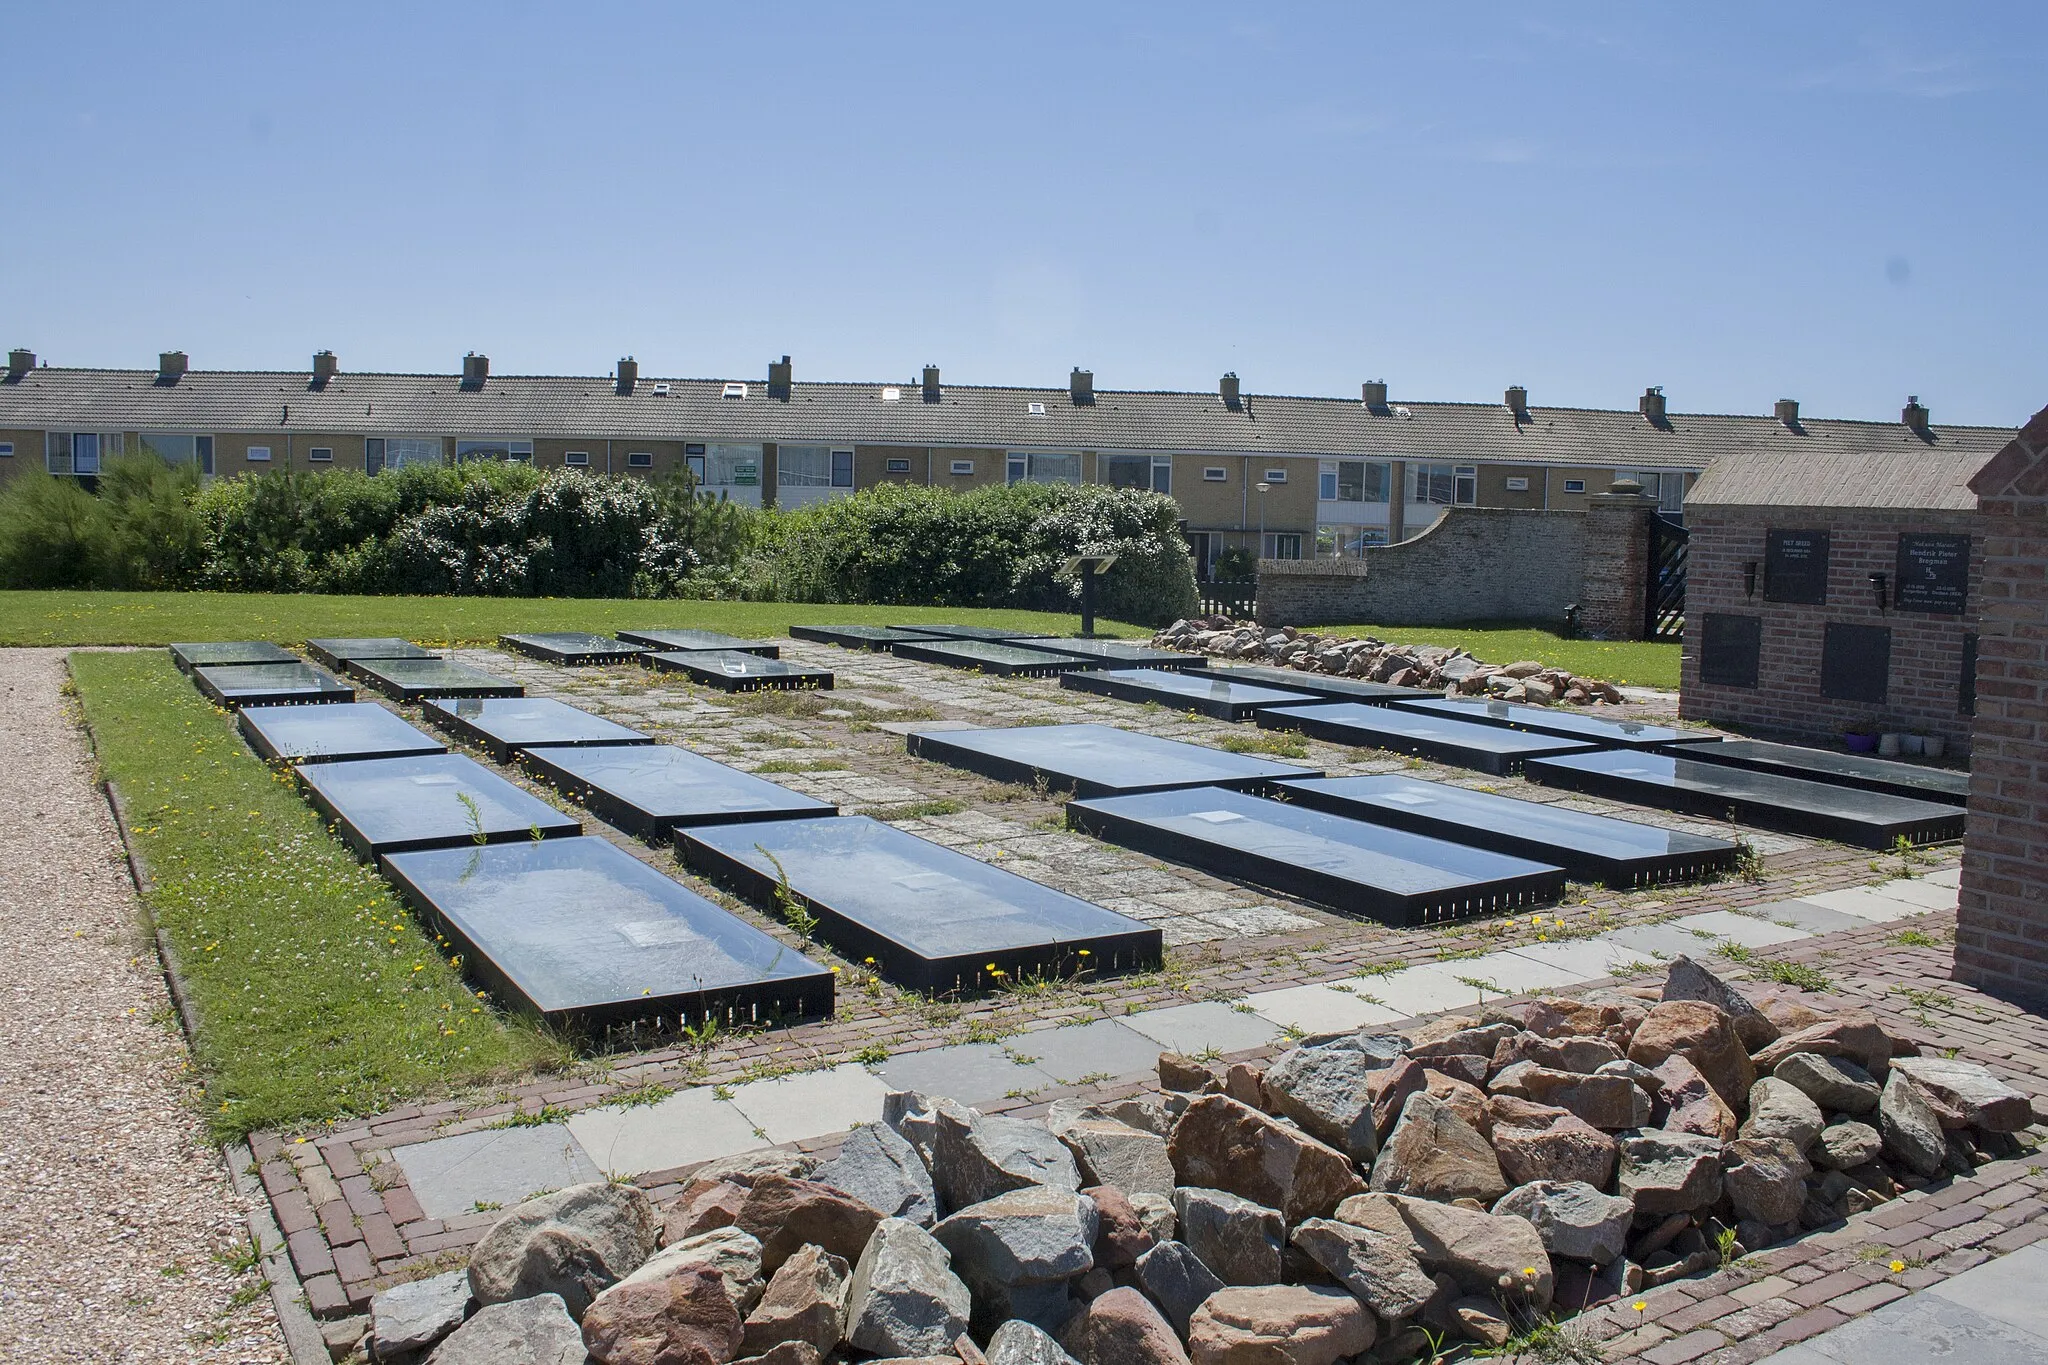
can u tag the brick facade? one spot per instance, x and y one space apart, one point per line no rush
2002 923
1617 562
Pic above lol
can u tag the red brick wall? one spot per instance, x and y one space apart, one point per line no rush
1924 685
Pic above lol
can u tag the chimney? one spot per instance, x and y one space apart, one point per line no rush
1651 404
1374 392
475 370
1081 387
931 383
1913 415
1786 410
778 379
170 367
20 361
1228 388
1518 401
629 375
325 367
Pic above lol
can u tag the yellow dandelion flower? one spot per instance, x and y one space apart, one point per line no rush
1898 1266
1639 1305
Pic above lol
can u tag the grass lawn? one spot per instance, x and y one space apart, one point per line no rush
159 618
1639 663
316 992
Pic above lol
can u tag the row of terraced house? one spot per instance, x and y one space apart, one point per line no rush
1283 477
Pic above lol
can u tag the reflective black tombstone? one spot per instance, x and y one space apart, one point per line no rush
673 640
190 656
996 633
573 647
1097 760
878 638
1350 866
394 805
1731 649
989 656
1621 853
1492 749
929 917
1720 792
1117 653
1541 720
1327 685
648 790
731 671
1843 770
292 684
418 679
336 652
581 932
331 734
502 725
1205 693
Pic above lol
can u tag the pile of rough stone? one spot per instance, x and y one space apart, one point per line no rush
1443 670
1365 1198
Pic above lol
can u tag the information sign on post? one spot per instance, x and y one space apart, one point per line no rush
1090 568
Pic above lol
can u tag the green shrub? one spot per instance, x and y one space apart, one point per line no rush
155 537
53 534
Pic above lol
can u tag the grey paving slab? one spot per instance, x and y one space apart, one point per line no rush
1947 876
1930 1329
1808 916
1919 893
790 1108
1742 929
453 1175
1587 958
689 1126
1196 1028
1102 1048
1802 1354
972 1073
1430 989
1320 1009
2008 1289
1659 940
1515 974
1865 904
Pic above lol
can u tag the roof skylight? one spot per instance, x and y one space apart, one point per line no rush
734 390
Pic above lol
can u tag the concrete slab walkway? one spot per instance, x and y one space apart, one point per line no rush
1993 1315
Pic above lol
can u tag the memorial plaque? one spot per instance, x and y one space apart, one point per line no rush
929 917
1731 649
330 734
1621 853
1117 653
336 653
416 679
877 638
1350 866
1843 770
1718 791
292 684
190 656
1205 693
503 726
991 656
1096 760
1966 686
583 933
1796 567
573 647
1542 720
1327 685
393 805
674 640
1494 749
648 790
728 670
1933 574
1855 662
997 633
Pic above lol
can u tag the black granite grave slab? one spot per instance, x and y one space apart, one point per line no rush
1621 853
292 684
1855 662
501 726
573 647
673 640
1205 693
583 933
1796 567
1350 866
331 734
1731 649
336 653
929 917
1603 731
648 790
395 805
1097 760
1933 573
190 656
731 671
1326 685
1117 653
1841 770
1492 749
991 656
997 633
1720 792
418 679
877 638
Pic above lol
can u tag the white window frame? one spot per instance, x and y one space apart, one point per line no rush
319 454
412 450
734 390
579 459
1276 476
639 459
962 466
1517 484
6 450
515 450
101 445
846 464
804 466
1034 466
256 455
1574 485
1215 473
1270 547
896 464
1463 479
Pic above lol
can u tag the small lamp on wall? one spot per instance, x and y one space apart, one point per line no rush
1749 579
1880 588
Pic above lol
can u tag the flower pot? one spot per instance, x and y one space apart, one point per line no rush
1860 743
1888 744
1934 746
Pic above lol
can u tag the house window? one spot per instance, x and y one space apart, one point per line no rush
579 458
174 448
1214 473
693 457
6 450
1127 471
497 448
1445 485
1326 485
962 466
400 451
72 452
1667 487
1276 476
1282 545
898 465
639 459
842 469
258 455
1574 485
732 466
1518 485
803 467
1347 542
1044 467
320 454
1353 481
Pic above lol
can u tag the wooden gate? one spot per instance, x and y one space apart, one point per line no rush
1664 584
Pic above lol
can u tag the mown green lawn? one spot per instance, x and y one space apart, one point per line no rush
316 992
158 618
1638 663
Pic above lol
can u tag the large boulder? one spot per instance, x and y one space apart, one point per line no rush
1765 1178
1539 1142
1563 1016
408 1318
1559 1054
1381 1271
1221 1144
877 1167
1665 1172
1846 1144
904 1299
575 1243
1854 1034
1780 1109
1984 1100
536 1330
786 1213
1485 1253
734 1254
1461 1097
1241 1241
1122 1328
1911 1130
1007 1248
1177 1281
1609 1102
1281 1324
1019 1343
1324 1090
1112 1153
1703 1035
1434 1154
1388 1090
806 1301
1834 1083
1121 1236
1686 979
1457 1036
684 1314
976 1157
1575 1220
1691 1104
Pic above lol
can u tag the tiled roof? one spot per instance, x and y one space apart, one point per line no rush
1927 475
693 409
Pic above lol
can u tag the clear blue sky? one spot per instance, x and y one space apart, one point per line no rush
1841 203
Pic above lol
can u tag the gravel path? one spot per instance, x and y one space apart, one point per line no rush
113 1207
